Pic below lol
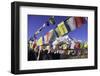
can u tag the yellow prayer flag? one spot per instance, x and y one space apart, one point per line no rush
64 46
58 31
39 42
62 28
30 44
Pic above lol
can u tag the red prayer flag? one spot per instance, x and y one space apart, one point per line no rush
34 44
48 34
79 21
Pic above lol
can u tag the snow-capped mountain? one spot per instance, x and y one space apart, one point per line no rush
66 39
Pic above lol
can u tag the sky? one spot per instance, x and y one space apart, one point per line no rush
36 21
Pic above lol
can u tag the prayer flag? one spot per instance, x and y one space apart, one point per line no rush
39 42
63 30
51 20
79 21
71 23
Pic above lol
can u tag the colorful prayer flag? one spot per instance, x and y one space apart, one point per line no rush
51 20
63 30
46 38
58 31
79 21
34 44
64 46
85 45
30 44
71 23
39 42
67 26
54 36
